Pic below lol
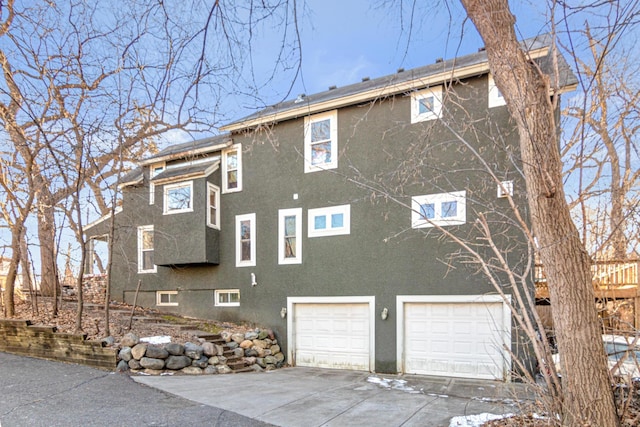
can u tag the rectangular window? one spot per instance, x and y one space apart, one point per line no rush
438 209
505 189
213 206
495 97
246 240
232 169
167 298
290 236
145 250
227 298
178 197
153 172
331 221
321 141
426 104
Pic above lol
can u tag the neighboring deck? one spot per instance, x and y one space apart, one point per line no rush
612 280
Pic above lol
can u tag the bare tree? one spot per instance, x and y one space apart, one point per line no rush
531 101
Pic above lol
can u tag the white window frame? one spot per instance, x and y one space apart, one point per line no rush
159 295
213 222
154 170
495 97
252 238
418 221
168 188
505 189
141 230
282 214
225 169
333 134
416 97
219 292
345 210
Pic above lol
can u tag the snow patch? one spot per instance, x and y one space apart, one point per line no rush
475 420
160 339
393 384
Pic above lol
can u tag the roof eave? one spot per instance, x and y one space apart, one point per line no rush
181 154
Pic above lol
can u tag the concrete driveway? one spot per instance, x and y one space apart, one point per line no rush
321 397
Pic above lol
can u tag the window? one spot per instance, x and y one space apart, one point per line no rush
167 298
330 221
505 189
438 209
495 97
227 297
178 197
246 240
213 206
426 104
154 171
290 236
145 250
232 169
321 141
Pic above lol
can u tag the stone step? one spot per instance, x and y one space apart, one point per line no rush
236 365
148 319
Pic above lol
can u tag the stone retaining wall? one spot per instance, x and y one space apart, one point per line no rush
22 338
252 351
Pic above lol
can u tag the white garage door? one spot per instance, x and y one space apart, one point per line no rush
455 339
332 335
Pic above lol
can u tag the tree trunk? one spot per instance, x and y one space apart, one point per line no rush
46 235
9 285
588 399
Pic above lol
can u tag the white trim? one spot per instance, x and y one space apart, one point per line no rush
495 97
168 188
292 301
216 221
434 111
297 258
437 200
505 189
309 166
252 239
159 297
327 212
447 299
141 230
225 184
181 154
217 292
152 174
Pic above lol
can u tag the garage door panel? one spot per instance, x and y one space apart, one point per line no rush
453 339
339 336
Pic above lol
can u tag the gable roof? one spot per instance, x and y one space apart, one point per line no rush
188 171
403 81
190 148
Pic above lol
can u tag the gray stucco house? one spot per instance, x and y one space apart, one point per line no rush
318 217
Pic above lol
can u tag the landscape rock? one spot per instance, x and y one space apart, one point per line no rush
224 369
257 368
250 360
152 371
260 362
178 362
270 360
193 351
151 363
139 350
125 354
279 357
108 341
251 352
123 366
238 352
209 349
191 370
220 350
232 345
260 343
129 340
203 362
251 335
238 338
174 349
210 370
246 344
134 364
263 334
226 335
214 360
275 349
156 352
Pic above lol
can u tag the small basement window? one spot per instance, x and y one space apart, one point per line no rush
227 297
167 298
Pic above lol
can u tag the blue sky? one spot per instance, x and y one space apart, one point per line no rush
344 41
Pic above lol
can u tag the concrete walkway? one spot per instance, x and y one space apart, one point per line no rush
321 397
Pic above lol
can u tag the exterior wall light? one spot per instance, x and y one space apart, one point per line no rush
253 280
384 314
283 312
